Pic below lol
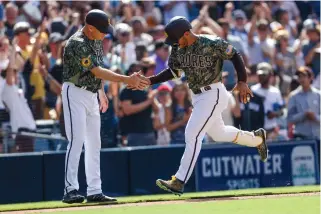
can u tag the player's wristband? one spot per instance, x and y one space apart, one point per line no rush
163 76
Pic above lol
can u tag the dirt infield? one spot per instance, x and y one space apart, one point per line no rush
165 202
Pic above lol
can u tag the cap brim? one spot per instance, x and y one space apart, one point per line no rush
170 41
108 30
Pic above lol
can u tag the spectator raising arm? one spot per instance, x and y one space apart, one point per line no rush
252 30
10 76
54 85
36 45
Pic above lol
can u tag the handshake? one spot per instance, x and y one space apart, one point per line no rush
137 81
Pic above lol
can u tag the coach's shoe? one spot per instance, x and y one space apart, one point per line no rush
73 197
262 148
100 198
174 186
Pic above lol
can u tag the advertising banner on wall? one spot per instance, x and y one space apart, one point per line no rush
227 167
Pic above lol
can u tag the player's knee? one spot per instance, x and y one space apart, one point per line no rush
192 137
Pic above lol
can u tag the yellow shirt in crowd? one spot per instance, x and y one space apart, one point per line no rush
36 79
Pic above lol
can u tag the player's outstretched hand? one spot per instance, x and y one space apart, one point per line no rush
139 82
244 91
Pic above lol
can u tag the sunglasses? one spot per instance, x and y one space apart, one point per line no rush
124 34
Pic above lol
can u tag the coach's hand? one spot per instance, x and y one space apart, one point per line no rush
143 82
244 91
103 101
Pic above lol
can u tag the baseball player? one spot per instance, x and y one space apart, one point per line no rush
201 58
82 76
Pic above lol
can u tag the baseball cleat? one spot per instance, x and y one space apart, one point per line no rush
174 186
262 148
100 198
73 197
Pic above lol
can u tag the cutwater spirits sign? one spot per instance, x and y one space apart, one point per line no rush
224 166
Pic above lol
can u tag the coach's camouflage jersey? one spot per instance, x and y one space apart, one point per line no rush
80 56
202 61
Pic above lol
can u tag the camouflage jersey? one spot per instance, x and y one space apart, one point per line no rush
80 56
202 61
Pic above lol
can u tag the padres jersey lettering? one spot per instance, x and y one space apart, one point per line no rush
80 56
202 62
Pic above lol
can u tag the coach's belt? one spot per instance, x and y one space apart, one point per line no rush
91 89
203 89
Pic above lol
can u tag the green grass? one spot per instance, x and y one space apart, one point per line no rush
136 199
284 205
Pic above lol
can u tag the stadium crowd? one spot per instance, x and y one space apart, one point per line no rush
279 42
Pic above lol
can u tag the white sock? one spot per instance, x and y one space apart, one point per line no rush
247 139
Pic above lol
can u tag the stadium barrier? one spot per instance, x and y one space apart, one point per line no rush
29 177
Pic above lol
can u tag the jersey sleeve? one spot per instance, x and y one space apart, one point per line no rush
79 55
222 49
174 63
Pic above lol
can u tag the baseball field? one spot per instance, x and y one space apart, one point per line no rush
286 200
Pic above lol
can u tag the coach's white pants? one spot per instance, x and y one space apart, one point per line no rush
82 124
207 118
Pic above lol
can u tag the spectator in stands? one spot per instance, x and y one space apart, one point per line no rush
304 107
239 20
139 26
148 66
163 100
236 42
273 102
157 32
126 12
204 20
260 47
22 32
137 107
291 8
21 118
11 12
178 113
160 57
55 40
311 46
285 60
111 60
141 51
282 16
126 48
175 8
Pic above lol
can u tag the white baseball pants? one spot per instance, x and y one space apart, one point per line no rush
207 118
82 124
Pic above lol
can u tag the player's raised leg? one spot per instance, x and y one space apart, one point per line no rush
221 133
92 154
207 107
75 125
